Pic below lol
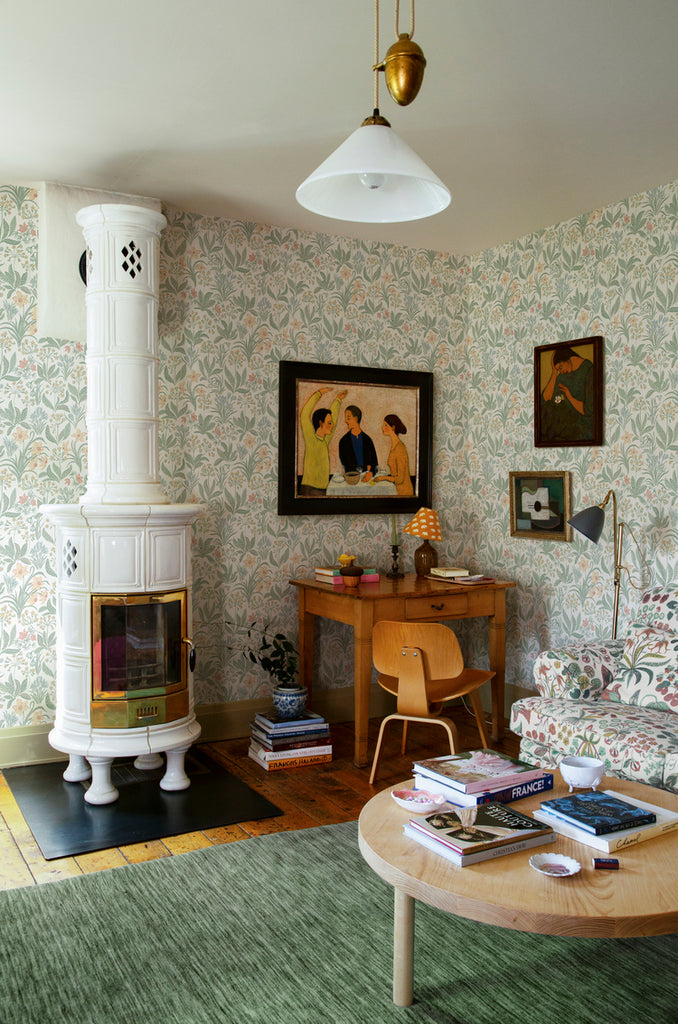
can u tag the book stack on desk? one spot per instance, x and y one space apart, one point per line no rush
277 744
334 578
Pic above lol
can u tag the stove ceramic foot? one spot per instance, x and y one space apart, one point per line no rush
148 762
78 770
175 777
102 790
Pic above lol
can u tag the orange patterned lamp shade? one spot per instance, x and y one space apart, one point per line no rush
427 526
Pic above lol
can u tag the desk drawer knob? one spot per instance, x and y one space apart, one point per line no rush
437 607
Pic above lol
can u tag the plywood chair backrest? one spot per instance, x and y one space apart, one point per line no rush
442 656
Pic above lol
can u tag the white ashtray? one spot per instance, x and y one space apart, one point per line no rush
554 864
418 801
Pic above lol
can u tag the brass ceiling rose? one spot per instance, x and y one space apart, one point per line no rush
403 69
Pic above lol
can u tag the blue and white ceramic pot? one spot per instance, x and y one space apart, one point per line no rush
289 703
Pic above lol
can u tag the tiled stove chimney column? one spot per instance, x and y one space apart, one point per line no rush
122 354
124 538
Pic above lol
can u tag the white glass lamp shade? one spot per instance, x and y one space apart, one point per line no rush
374 177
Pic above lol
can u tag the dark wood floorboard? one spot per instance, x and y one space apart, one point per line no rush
309 796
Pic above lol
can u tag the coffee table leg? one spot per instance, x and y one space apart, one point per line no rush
403 948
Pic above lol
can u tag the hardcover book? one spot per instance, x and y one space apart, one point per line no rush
475 770
448 572
599 812
336 571
270 721
612 842
289 762
503 794
479 828
286 755
473 857
272 741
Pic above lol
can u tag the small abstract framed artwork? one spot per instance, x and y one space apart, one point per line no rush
354 440
568 394
540 505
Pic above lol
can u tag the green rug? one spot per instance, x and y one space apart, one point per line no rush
294 928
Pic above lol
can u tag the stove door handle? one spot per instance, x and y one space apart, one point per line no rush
192 657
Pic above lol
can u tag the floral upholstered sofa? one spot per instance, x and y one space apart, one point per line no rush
616 700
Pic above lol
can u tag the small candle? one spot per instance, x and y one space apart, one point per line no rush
394 535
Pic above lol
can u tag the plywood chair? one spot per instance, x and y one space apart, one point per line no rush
421 663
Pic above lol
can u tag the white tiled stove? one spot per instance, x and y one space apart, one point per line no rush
124 539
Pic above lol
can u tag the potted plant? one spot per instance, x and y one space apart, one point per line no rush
277 655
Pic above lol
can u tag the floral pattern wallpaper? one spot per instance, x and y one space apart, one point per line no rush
235 299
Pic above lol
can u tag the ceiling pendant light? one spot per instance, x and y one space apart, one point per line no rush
374 177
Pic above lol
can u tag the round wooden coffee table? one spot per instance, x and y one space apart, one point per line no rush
641 898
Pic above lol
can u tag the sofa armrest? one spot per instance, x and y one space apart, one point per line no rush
580 671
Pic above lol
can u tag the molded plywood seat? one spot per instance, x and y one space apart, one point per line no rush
422 665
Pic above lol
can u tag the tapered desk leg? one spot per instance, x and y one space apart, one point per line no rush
403 948
362 677
306 626
497 624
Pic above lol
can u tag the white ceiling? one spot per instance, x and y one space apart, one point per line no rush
531 111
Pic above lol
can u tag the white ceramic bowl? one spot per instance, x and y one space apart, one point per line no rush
554 864
582 772
418 801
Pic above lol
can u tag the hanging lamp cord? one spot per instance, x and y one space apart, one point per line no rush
376 55
397 19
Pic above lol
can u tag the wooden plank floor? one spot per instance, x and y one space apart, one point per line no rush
307 796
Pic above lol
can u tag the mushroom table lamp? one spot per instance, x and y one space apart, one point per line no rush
427 526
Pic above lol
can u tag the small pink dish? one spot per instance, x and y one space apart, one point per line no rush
554 864
418 801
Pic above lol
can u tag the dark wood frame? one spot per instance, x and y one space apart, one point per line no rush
537 532
592 347
335 375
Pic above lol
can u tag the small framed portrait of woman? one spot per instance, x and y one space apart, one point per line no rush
568 394
353 439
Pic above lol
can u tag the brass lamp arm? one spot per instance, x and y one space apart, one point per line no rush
618 535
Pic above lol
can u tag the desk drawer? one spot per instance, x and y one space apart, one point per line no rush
447 606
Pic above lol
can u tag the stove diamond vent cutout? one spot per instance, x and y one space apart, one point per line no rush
70 564
132 259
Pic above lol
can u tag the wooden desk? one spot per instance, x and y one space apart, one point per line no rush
640 899
413 599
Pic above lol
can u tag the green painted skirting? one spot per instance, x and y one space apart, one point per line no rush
295 928
30 745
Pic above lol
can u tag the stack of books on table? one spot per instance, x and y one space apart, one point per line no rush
454 575
476 777
448 572
466 836
333 576
606 820
277 743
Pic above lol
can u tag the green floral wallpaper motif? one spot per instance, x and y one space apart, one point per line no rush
235 299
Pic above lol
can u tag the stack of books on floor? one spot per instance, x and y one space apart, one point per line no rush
606 820
277 743
333 576
476 777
